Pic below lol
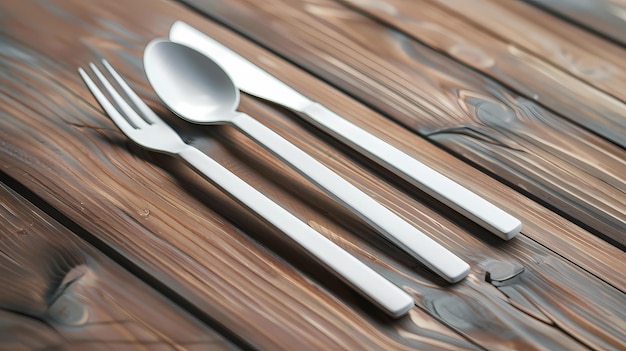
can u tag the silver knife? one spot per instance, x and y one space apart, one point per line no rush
253 80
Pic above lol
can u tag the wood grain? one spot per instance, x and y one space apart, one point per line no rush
562 166
58 292
606 17
230 266
568 47
517 69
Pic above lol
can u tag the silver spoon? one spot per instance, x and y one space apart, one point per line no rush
198 90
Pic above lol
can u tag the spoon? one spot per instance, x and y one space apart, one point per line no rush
197 89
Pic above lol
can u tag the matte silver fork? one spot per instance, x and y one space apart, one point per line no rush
148 130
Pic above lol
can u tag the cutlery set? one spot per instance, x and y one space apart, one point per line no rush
200 80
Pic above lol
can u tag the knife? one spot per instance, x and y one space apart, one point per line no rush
255 81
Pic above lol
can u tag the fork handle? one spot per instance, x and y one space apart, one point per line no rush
395 229
380 291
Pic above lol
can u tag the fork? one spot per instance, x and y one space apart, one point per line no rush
145 128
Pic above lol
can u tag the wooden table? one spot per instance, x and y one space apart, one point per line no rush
104 245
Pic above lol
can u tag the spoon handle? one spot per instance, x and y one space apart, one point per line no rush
377 289
395 229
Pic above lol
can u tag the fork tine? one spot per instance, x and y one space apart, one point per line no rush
147 112
119 100
121 122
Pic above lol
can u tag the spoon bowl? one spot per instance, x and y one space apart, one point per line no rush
191 85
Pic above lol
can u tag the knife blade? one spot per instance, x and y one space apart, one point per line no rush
253 80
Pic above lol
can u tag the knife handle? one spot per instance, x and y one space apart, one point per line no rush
377 289
394 228
418 174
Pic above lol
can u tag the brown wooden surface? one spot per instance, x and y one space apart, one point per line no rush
565 46
58 292
606 17
556 286
519 70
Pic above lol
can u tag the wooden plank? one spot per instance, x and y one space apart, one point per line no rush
58 292
606 17
229 265
556 163
566 46
517 69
